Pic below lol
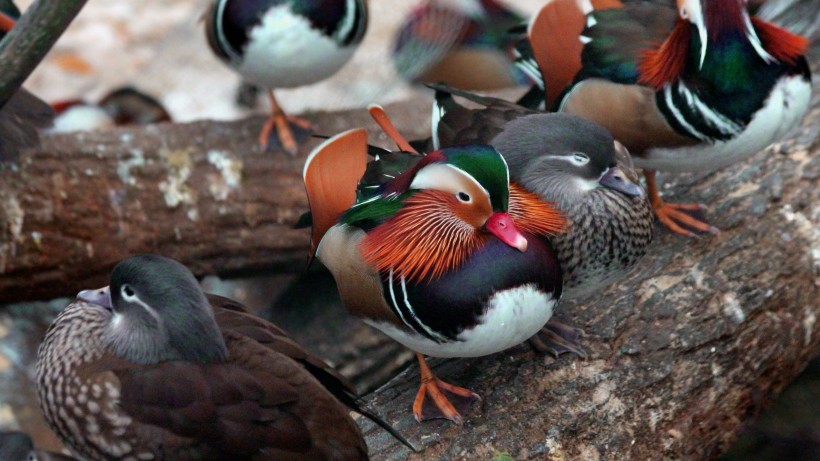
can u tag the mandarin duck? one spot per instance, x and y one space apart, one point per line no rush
565 160
285 44
695 88
24 113
120 107
572 162
432 257
152 368
441 38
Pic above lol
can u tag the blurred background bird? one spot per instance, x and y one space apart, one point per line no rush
692 88
121 107
23 114
463 43
285 44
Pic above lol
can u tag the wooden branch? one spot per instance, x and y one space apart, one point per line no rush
202 193
682 352
31 39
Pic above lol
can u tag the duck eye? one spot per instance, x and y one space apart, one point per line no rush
464 197
683 13
580 159
127 292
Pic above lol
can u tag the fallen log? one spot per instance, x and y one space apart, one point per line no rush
683 351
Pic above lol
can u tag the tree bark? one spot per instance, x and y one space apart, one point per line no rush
202 193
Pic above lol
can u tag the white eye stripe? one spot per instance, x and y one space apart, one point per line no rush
134 298
578 158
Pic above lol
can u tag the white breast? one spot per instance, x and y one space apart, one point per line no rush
512 317
285 51
781 112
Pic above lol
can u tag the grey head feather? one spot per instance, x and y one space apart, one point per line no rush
539 149
160 313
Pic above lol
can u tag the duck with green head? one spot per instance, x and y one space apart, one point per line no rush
693 88
433 257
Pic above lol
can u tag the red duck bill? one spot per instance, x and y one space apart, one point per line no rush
501 225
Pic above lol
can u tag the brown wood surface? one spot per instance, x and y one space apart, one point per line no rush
202 193
682 352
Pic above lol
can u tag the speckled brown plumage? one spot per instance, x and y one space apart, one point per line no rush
607 235
265 401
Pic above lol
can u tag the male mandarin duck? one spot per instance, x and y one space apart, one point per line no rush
285 44
23 114
120 107
692 89
570 161
442 38
152 368
432 257
566 160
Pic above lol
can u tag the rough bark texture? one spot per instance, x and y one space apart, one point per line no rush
202 193
682 352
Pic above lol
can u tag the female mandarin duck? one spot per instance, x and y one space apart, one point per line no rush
152 368
23 114
285 44
442 38
692 90
432 257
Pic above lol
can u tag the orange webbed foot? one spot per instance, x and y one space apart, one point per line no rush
439 400
684 218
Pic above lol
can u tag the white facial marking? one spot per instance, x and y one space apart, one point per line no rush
445 177
129 295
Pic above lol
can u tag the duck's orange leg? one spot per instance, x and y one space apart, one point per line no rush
676 216
443 397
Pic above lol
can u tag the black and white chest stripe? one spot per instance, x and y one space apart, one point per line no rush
398 298
690 115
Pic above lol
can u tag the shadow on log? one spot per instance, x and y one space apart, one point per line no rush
682 352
